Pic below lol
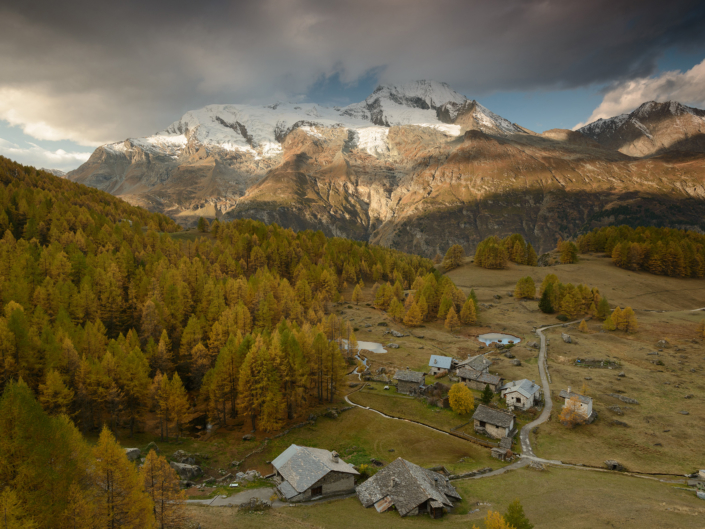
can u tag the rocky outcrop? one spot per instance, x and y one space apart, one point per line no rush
187 472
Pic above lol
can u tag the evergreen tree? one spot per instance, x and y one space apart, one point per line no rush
531 258
487 394
603 308
515 516
546 304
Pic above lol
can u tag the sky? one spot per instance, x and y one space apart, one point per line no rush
77 74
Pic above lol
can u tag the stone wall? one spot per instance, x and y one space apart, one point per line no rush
491 430
407 387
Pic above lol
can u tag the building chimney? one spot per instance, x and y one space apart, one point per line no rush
395 481
334 456
568 390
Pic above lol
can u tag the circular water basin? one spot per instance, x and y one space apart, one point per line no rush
496 337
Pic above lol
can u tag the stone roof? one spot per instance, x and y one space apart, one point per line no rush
478 363
564 394
496 417
406 486
441 362
525 387
407 375
302 466
479 376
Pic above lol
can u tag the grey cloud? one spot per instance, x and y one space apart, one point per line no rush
101 71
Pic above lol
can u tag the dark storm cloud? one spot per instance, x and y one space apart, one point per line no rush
98 71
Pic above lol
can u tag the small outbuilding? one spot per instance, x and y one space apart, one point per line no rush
478 363
412 490
306 473
585 403
409 382
479 379
494 422
440 363
522 394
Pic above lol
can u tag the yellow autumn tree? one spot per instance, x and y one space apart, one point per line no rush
461 399
468 315
12 516
452 320
583 326
357 294
54 396
413 317
701 328
628 321
495 520
162 485
121 500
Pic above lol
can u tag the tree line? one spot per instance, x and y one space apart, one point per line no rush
661 251
494 253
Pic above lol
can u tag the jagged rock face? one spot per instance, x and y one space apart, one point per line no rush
653 128
417 167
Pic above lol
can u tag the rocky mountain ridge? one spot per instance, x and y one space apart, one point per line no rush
416 166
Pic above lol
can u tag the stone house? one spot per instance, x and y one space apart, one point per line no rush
479 379
585 407
494 422
409 382
440 363
522 394
412 490
308 473
478 363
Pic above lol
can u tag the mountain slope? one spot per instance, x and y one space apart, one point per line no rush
415 166
653 128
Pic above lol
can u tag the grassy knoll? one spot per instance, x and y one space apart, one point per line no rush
556 498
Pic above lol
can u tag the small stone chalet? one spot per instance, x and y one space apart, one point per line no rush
585 407
522 394
479 379
494 422
409 382
440 363
478 363
410 489
309 473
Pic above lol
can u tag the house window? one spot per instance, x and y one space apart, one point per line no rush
482 424
317 491
518 399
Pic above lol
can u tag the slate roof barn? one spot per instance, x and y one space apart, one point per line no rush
408 381
409 488
493 422
478 363
309 472
479 379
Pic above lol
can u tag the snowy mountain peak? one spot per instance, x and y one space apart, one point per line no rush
421 94
260 130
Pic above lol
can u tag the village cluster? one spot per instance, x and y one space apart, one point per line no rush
306 473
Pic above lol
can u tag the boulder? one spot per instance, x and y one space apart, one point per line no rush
683 412
615 422
611 464
663 344
254 505
393 345
566 338
533 344
622 374
183 457
248 437
152 446
397 334
508 355
516 362
133 454
187 472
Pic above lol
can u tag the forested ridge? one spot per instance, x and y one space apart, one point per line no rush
662 251
107 317
103 320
